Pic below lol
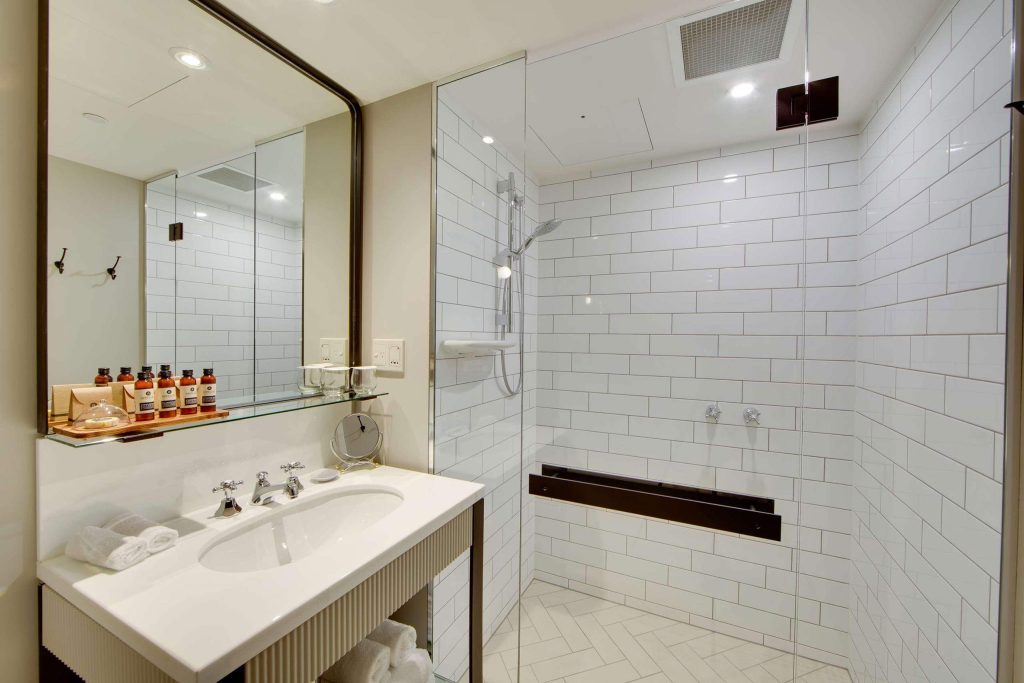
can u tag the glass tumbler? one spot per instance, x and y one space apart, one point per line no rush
364 379
335 380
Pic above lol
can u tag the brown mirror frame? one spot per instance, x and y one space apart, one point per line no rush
239 24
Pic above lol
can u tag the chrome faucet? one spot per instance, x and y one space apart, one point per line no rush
261 495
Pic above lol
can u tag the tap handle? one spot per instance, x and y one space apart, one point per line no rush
288 467
228 486
262 478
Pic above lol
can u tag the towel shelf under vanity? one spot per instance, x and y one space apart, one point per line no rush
720 510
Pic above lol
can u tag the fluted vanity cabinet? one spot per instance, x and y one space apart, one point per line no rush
177 616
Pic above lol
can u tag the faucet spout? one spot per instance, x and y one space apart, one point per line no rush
263 493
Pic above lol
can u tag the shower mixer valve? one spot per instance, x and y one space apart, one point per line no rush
752 416
713 412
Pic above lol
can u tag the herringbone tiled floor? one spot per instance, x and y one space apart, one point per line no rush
570 637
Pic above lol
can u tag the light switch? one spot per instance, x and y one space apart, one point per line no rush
389 355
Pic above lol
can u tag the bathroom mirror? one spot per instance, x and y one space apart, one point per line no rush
201 202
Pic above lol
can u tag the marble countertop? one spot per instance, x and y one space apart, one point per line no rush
198 624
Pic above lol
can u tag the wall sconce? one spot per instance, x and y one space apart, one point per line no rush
112 270
60 263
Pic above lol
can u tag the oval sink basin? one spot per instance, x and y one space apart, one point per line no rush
298 530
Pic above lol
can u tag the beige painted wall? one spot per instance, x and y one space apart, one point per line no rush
396 262
325 233
18 650
92 320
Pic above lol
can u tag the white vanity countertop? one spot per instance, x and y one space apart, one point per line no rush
199 625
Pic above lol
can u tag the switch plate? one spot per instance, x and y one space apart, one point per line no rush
334 350
389 355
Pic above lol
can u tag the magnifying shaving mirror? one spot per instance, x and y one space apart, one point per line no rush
357 439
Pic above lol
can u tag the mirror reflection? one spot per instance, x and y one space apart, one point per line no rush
217 178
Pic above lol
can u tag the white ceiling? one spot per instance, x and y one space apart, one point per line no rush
111 57
634 110
377 48
280 163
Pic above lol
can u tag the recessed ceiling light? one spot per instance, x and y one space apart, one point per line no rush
487 140
190 58
742 89
277 196
200 214
93 118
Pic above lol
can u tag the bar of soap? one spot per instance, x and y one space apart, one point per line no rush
99 422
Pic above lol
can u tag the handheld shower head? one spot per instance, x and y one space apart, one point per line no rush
543 229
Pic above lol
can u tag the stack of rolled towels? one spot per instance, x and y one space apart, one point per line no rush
125 540
388 655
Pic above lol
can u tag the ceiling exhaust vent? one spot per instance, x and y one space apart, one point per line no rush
233 178
716 42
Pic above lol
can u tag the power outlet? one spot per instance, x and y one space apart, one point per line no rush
389 355
334 350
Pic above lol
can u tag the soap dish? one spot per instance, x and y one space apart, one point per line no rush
325 475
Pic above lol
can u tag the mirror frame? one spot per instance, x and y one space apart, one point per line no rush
261 39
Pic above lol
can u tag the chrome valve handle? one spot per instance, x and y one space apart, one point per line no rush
752 416
713 412
228 486
288 467
228 507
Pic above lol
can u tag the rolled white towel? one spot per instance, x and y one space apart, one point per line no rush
397 637
156 536
106 548
367 662
415 667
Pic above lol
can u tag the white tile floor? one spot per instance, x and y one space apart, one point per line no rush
571 637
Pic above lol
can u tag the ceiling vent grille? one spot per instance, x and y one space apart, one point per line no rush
233 178
747 35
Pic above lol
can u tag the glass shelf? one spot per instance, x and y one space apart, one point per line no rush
244 412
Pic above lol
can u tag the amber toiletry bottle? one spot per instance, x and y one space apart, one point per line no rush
103 377
145 399
126 375
167 394
189 394
208 392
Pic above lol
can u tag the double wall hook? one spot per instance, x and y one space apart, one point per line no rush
60 263
112 270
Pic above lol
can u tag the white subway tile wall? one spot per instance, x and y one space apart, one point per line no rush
227 296
480 433
927 461
858 303
681 290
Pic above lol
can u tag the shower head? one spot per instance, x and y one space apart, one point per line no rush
543 229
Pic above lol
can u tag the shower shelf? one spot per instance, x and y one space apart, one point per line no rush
734 512
469 346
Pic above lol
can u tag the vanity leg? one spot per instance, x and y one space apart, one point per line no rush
476 596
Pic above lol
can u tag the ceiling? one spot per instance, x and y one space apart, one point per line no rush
277 165
616 101
111 58
377 48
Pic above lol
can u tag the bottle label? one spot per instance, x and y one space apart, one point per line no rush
209 394
144 401
168 399
189 396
